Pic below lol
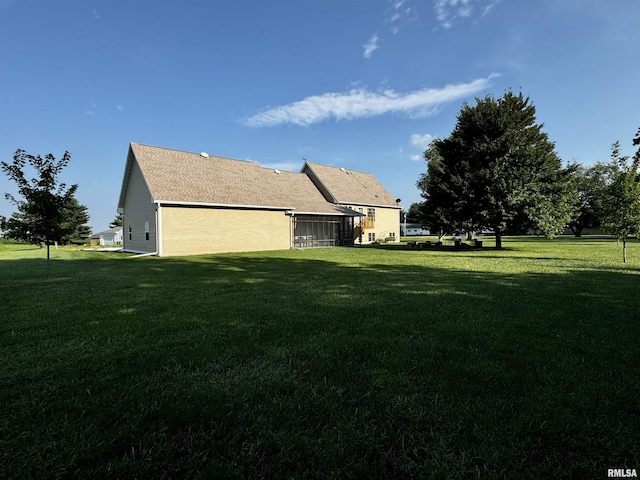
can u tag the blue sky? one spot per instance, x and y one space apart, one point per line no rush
362 84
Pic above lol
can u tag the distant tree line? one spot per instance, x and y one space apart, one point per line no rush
499 171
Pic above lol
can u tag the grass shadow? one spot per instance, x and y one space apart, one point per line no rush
318 364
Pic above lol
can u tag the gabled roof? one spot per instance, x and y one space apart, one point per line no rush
174 176
111 231
345 186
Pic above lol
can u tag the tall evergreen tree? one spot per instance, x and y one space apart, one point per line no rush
76 217
117 221
498 170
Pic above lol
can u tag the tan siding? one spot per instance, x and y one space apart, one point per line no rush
194 231
387 220
138 209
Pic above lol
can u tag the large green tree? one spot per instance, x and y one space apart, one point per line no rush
44 199
438 211
497 170
620 201
589 183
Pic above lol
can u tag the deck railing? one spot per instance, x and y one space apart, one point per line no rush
368 222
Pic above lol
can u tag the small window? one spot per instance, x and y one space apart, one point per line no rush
392 234
146 230
371 212
129 232
372 236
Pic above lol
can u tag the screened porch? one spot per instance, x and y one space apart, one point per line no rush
310 231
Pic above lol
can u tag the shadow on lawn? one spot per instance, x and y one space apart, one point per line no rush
273 366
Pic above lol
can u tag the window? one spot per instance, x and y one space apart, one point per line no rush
372 236
371 212
129 232
392 234
146 230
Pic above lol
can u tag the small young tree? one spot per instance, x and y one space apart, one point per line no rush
40 217
620 201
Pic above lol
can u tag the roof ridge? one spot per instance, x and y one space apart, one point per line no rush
196 153
340 168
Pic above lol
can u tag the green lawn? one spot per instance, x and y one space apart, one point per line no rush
326 363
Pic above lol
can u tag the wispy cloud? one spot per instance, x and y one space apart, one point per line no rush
420 141
361 103
96 14
449 11
92 108
370 46
399 14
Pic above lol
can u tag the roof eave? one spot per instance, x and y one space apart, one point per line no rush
221 205
378 205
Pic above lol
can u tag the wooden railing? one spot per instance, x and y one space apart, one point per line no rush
368 222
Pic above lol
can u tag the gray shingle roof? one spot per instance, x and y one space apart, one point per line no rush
185 177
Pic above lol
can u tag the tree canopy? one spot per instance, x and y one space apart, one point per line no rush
496 170
117 221
44 210
47 211
620 200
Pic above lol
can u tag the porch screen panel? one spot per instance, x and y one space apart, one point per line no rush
311 231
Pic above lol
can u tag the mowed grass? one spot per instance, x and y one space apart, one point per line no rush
326 363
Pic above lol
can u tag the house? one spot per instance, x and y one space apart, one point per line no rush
112 236
182 203
415 229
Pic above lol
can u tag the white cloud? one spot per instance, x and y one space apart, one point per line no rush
420 141
416 158
120 107
370 46
489 7
399 15
448 11
361 103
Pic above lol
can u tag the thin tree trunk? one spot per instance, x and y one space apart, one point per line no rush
498 240
48 256
624 250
